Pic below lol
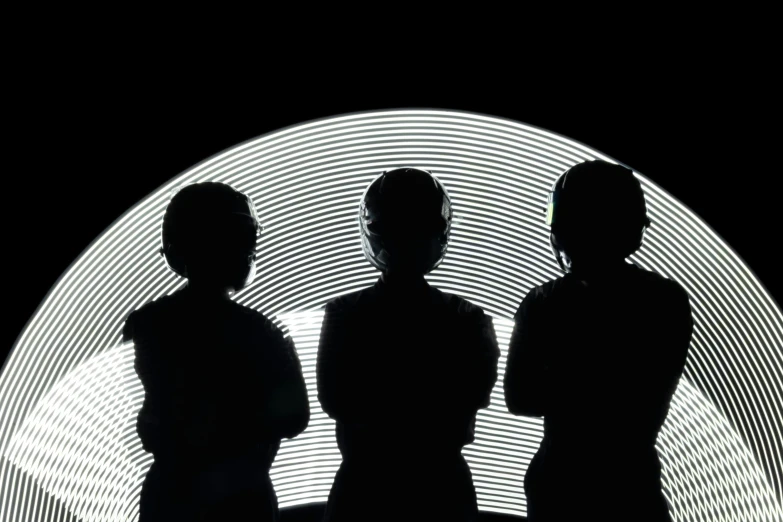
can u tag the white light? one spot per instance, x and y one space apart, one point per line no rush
69 396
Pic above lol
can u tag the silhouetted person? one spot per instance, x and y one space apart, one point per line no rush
598 353
403 367
222 385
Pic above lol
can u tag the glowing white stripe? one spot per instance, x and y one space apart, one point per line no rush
68 402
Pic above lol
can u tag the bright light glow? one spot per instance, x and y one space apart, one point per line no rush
69 395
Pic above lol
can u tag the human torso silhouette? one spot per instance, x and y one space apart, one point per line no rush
599 359
222 387
403 372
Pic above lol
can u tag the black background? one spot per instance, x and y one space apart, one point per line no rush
91 134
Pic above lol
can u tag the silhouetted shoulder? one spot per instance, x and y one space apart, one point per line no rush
552 287
162 311
159 305
260 323
248 314
460 306
353 301
663 298
662 284
146 316
645 281
542 292
669 302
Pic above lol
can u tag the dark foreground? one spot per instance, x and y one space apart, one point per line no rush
314 512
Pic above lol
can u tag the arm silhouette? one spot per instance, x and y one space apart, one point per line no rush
525 378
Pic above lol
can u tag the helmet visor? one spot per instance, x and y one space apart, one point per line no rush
550 209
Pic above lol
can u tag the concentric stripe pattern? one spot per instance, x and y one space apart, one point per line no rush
68 394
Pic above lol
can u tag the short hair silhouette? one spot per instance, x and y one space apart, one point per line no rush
222 384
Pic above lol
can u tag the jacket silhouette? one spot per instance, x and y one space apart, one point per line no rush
600 361
598 354
403 371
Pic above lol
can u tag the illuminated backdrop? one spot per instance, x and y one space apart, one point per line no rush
69 395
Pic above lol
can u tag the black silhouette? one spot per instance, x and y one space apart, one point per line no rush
222 385
598 353
403 367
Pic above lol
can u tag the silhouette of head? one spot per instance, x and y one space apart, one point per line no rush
405 221
597 215
209 235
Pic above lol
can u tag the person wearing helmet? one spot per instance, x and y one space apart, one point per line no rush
222 384
403 367
598 354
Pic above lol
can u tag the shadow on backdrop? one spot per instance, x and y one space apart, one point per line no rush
598 354
403 367
222 384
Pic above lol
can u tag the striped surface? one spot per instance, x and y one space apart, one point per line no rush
68 393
